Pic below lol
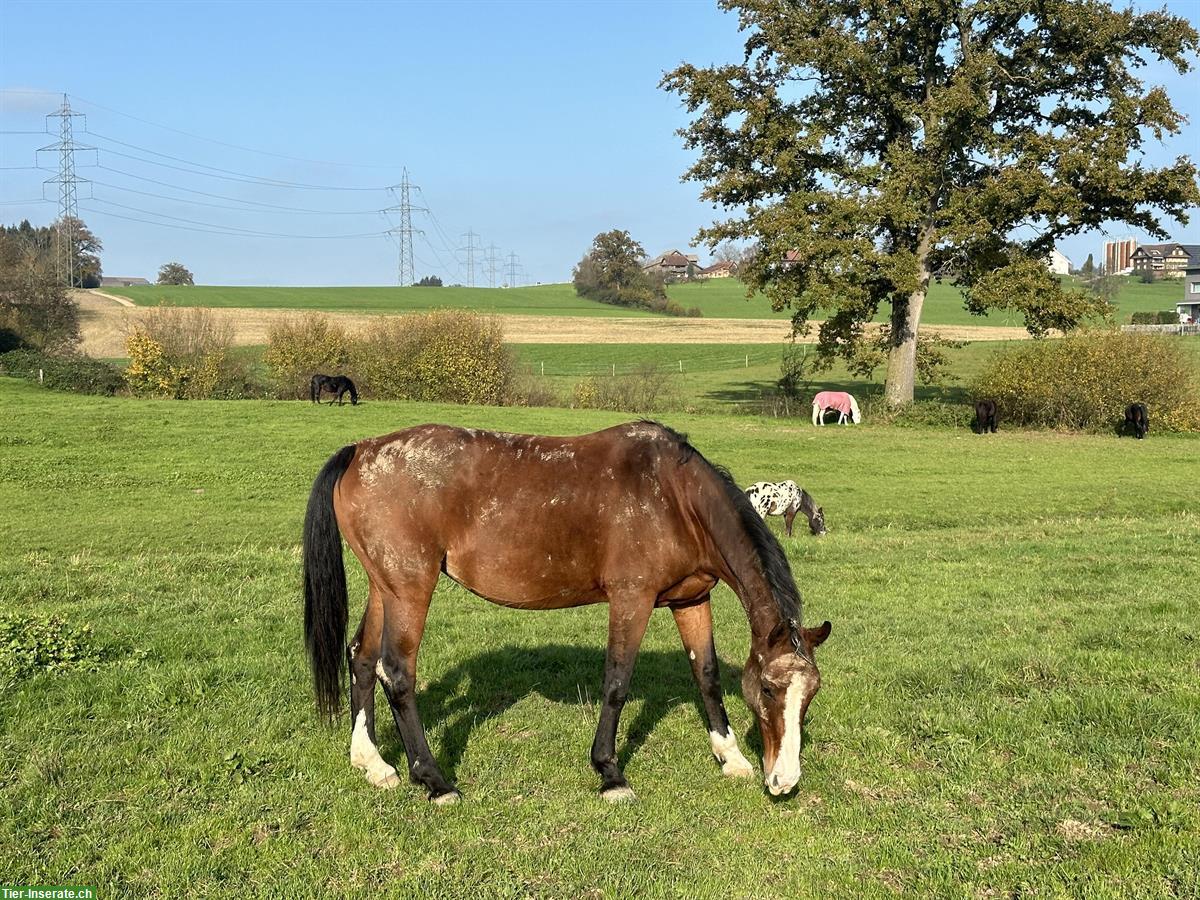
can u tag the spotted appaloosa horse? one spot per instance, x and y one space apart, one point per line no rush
1137 419
785 499
338 385
632 516
846 406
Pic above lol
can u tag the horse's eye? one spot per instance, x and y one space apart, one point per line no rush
768 693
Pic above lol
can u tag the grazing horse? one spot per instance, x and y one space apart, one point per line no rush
845 404
785 499
985 416
632 516
1137 417
338 385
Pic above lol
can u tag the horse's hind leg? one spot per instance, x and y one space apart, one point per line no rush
695 628
405 607
362 656
628 616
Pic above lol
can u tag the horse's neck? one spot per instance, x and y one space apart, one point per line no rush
741 568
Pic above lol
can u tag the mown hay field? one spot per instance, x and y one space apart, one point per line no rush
1011 700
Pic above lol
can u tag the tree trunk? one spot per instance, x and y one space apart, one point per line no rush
906 319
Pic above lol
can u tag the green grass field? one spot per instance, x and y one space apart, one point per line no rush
1011 700
539 300
717 298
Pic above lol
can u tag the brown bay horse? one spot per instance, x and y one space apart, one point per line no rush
632 516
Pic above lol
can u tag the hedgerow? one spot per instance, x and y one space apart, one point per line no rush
1086 380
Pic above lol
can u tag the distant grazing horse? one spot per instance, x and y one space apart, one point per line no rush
846 406
338 385
786 499
1137 417
985 416
632 516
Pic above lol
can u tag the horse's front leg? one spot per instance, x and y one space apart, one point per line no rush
695 628
788 518
628 615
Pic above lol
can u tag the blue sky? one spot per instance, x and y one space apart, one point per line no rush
535 125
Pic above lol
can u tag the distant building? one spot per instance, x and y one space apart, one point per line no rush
1166 260
1057 263
1189 309
671 263
115 281
1118 256
722 269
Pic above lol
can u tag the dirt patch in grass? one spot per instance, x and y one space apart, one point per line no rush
105 321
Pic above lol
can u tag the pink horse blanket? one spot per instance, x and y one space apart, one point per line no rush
838 400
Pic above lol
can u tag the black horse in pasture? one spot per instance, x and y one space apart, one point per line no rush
985 416
1137 419
338 385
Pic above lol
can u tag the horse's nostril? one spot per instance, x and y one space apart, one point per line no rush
775 781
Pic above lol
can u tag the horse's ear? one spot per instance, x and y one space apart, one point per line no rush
816 636
820 510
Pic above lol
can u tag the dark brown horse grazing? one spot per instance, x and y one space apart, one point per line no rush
632 516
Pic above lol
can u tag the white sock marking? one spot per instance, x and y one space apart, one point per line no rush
725 749
364 755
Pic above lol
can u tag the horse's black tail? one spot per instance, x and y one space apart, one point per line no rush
326 606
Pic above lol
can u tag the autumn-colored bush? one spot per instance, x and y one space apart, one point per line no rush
185 354
450 357
302 346
1085 381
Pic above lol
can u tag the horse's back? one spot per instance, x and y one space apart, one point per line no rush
493 508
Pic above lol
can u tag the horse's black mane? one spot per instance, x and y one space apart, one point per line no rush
775 566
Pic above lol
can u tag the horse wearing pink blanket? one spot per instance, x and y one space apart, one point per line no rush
839 400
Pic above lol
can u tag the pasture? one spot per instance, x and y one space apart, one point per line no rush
1011 700
721 298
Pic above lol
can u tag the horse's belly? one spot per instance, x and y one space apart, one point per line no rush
546 587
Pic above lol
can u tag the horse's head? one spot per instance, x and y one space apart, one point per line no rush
816 524
778 683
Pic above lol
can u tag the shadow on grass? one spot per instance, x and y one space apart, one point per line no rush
488 684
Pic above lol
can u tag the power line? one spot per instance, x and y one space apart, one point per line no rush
241 177
269 206
178 187
209 228
209 140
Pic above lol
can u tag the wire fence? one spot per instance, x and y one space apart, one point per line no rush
682 366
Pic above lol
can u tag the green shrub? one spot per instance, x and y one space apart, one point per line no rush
1086 380
33 644
1155 317
75 372
647 389
302 346
921 414
695 312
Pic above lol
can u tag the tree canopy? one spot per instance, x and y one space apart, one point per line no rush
868 147
175 273
611 272
35 310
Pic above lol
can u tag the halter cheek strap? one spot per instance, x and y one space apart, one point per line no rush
794 634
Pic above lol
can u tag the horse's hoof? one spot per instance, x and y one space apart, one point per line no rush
737 768
447 799
383 778
620 794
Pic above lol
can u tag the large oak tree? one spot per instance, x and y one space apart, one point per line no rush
868 146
